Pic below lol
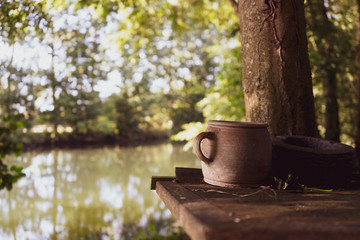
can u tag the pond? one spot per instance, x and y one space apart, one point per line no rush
96 193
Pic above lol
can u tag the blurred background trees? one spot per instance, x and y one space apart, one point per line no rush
130 71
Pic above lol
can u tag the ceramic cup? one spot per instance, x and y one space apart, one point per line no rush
234 154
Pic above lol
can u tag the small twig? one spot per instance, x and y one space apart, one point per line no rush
262 189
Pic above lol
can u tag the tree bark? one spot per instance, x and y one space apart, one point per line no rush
276 73
357 138
323 30
332 124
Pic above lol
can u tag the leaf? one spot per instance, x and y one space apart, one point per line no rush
17 177
19 145
317 189
151 228
20 124
16 169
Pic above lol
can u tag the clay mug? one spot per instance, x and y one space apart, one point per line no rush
234 154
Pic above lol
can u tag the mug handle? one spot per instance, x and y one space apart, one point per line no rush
197 145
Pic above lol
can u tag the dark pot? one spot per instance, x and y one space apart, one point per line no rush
317 162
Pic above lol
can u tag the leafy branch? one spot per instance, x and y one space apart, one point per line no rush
9 176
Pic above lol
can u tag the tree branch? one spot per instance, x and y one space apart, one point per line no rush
235 5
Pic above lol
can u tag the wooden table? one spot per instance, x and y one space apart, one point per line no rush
209 212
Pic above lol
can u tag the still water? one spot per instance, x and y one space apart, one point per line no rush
98 193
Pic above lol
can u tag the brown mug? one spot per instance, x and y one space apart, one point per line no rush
234 154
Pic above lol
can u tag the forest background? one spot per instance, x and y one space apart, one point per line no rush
127 72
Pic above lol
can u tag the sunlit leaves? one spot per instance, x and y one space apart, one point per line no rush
189 133
166 64
17 16
225 100
335 31
76 67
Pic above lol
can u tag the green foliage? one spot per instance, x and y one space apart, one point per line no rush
331 32
225 100
9 176
144 21
18 16
128 117
290 183
162 43
151 233
189 133
179 62
184 110
294 183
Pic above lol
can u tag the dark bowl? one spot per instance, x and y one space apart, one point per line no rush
315 161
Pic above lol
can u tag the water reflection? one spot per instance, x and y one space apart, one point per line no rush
89 194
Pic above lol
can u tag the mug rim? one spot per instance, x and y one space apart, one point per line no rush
223 123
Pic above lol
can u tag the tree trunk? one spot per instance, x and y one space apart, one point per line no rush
52 78
8 100
276 73
357 138
323 30
332 125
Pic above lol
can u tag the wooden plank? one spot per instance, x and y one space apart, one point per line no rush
154 179
188 175
199 218
183 175
208 212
